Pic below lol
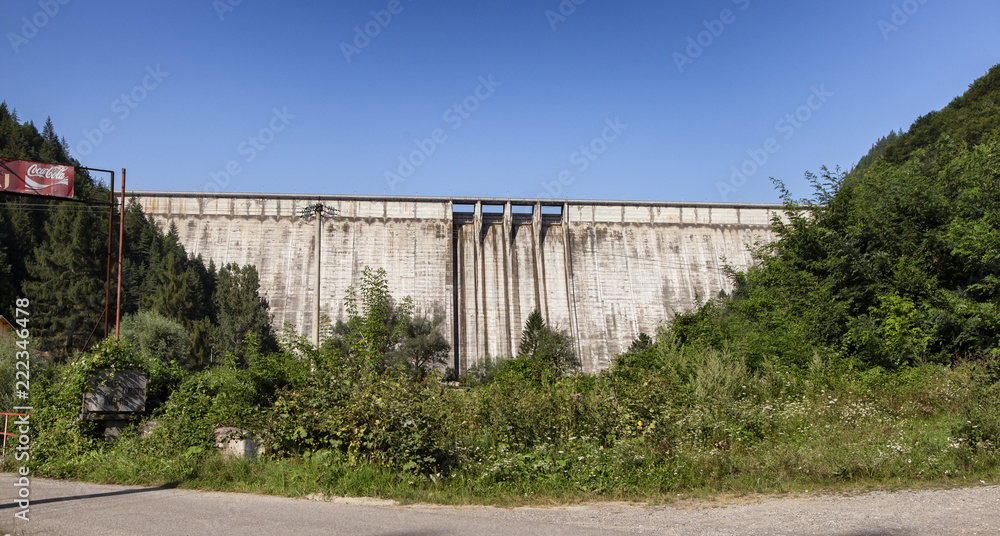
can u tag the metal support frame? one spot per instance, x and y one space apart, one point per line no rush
121 236
320 211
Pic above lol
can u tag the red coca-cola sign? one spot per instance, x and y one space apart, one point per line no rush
36 178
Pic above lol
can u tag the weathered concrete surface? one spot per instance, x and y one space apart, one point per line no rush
411 241
602 271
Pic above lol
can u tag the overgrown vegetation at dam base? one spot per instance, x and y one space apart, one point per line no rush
860 352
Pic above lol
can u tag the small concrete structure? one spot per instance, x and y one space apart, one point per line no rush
237 442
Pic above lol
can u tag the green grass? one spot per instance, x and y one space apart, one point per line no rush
931 426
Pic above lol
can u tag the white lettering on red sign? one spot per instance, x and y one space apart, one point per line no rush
51 172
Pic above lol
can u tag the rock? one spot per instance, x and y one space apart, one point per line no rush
237 442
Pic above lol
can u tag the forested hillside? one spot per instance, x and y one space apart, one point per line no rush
896 263
54 252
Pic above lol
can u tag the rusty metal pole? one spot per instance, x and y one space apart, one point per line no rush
121 239
107 280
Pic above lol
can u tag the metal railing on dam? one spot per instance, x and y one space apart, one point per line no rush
602 271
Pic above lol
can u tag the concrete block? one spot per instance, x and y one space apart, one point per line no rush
724 216
237 442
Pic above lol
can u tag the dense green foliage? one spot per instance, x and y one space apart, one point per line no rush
969 120
376 325
381 334
240 311
157 336
891 265
543 357
42 240
37 367
663 420
422 347
541 343
58 434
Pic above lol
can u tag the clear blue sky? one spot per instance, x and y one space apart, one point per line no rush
266 89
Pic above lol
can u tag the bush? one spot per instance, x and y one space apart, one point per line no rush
157 336
483 371
228 395
422 347
388 420
542 344
38 372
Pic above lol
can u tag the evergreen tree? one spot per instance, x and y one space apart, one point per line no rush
16 244
54 252
241 311
50 149
67 278
172 299
178 295
542 344
531 335
7 290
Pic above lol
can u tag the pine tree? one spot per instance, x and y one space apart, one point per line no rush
241 311
67 275
542 344
51 147
7 290
17 236
531 335
12 140
55 255
172 297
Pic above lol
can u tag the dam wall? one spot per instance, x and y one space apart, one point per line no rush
601 271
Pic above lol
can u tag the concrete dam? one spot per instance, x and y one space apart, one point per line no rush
601 271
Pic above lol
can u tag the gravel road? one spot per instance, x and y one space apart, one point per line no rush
81 509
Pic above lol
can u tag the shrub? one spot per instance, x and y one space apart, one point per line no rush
387 420
422 347
540 343
483 371
157 336
231 394
38 372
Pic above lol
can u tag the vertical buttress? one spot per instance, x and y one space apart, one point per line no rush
482 331
509 283
456 312
536 229
570 286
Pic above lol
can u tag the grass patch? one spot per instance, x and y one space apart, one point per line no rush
587 438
